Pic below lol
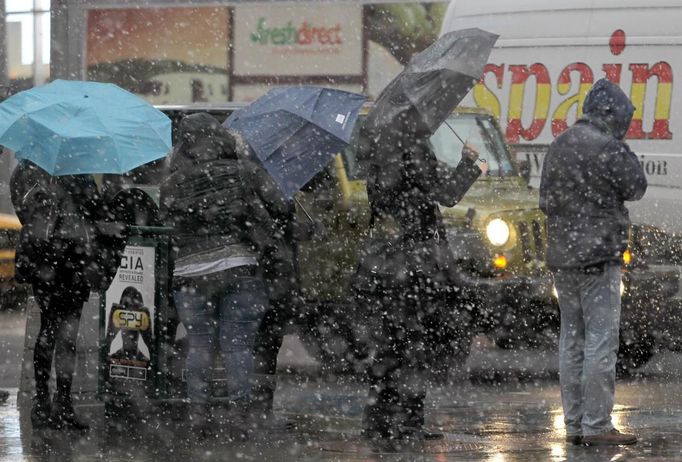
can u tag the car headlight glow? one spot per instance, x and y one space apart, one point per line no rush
497 232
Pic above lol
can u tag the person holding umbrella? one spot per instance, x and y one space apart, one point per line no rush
223 232
407 266
58 217
63 133
292 133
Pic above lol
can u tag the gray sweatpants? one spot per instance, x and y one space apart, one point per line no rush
588 346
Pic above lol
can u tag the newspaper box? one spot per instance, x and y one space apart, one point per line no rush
138 326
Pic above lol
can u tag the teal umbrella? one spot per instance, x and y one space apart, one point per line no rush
72 127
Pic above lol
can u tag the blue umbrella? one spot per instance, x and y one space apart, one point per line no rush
72 127
296 131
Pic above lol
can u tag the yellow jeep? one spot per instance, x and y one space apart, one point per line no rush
9 233
497 235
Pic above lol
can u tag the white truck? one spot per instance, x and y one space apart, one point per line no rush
546 59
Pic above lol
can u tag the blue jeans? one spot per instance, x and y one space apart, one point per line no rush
223 309
588 346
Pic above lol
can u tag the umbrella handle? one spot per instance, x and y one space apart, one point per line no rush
482 160
304 210
453 131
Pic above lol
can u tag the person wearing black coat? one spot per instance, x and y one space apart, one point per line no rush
404 271
223 237
58 217
588 174
279 267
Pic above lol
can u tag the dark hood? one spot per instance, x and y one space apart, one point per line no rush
607 105
200 139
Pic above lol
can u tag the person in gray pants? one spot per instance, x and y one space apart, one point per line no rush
588 174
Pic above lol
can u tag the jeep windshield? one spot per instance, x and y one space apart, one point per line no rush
479 130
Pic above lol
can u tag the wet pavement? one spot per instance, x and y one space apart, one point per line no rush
516 419
509 421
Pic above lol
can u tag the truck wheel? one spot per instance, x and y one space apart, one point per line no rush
634 354
335 355
450 360
329 337
448 345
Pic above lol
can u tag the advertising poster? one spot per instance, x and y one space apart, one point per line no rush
286 39
174 55
297 43
129 315
183 55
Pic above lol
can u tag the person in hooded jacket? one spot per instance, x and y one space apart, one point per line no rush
222 232
404 271
588 174
58 215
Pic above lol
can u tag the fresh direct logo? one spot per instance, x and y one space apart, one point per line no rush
304 34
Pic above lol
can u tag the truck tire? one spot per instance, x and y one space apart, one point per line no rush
449 365
634 354
449 339
329 336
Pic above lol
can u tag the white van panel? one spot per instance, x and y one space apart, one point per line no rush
509 13
550 36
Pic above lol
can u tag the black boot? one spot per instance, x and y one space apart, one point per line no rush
41 411
419 434
64 417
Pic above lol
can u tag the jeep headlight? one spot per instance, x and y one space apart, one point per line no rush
497 232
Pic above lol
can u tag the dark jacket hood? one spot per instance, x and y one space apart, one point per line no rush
606 105
200 139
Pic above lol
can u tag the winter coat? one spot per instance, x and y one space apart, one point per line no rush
588 174
408 235
278 258
215 197
58 216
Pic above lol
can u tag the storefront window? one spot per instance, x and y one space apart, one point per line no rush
28 42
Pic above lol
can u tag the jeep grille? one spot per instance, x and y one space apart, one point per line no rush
532 240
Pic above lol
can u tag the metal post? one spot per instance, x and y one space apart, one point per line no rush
59 39
39 76
4 83
6 161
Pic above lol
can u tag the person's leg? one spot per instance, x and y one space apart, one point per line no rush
410 381
420 302
382 416
66 303
571 350
266 348
65 350
242 306
601 308
197 311
42 362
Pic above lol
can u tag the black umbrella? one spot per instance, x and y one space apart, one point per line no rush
421 97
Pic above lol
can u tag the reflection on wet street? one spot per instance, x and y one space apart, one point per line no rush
508 411
483 422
